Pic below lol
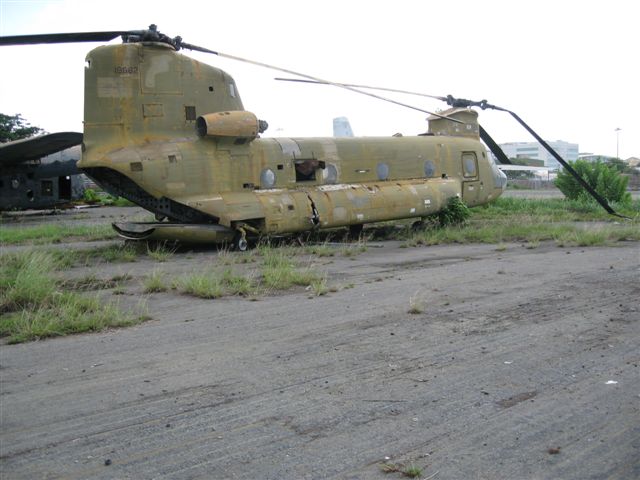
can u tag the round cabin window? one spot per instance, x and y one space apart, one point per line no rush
330 174
383 171
267 178
429 168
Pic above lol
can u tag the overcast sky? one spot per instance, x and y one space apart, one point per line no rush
570 69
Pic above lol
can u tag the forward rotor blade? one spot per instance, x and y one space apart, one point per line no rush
483 104
566 166
61 38
494 147
383 89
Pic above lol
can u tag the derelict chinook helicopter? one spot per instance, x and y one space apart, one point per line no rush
170 134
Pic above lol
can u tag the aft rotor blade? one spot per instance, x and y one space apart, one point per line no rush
61 38
383 89
315 79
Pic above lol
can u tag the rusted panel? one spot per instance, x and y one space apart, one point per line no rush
286 211
381 202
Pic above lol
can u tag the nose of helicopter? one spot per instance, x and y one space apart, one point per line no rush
501 180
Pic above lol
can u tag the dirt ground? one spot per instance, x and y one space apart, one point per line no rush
522 364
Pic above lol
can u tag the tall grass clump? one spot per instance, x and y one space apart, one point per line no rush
204 284
279 272
54 233
154 282
160 252
213 283
63 314
34 304
236 284
25 280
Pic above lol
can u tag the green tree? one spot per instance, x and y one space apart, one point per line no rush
15 128
604 179
620 165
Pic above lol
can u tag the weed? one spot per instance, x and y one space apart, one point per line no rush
279 272
154 282
160 252
322 250
319 286
416 305
351 250
121 277
412 471
113 253
203 284
89 282
227 257
236 284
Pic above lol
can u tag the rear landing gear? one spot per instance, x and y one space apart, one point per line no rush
240 243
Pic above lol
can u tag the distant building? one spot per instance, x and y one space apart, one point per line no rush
633 162
591 157
567 151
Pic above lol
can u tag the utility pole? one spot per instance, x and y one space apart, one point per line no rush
617 130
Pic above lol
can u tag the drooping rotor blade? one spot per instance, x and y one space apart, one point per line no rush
18 151
383 89
461 102
566 166
494 147
60 38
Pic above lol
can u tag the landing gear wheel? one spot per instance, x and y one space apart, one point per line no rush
418 226
240 242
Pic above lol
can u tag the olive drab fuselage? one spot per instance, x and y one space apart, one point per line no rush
171 134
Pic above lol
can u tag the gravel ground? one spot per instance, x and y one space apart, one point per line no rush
520 363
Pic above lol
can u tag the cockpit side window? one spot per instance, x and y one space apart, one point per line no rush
469 164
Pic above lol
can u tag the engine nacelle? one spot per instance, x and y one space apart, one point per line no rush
236 124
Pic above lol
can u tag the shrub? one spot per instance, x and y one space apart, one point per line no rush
604 179
455 213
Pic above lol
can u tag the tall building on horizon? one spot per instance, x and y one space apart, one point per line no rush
567 151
